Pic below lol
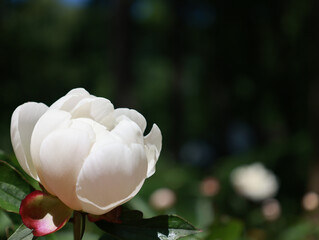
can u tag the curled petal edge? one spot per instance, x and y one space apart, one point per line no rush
153 148
43 213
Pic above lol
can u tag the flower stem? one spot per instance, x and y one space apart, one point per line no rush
78 225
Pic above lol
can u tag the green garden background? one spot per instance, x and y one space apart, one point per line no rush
228 82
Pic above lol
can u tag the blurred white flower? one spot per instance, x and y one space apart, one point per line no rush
254 182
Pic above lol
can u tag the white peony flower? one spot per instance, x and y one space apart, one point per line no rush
91 156
254 182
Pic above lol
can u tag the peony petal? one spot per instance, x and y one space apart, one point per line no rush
23 121
71 99
153 146
67 103
99 109
50 121
154 138
78 91
111 175
44 213
98 132
129 132
131 114
61 157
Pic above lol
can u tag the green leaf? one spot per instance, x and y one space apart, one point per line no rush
12 160
13 187
301 230
5 224
229 230
128 215
14 217
165 227
22 233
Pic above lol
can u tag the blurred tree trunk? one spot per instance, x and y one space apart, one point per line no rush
122 53
176 106
314 130
313 104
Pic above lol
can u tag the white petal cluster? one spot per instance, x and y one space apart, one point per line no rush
254 182
91 156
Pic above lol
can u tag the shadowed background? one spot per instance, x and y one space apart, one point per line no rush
228 83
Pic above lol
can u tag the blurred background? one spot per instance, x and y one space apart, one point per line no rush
229 83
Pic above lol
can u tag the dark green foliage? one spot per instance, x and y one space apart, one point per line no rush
237 76
13 188
134 227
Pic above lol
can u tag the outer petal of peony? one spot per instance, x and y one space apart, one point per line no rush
50 121
128 132
153 146
70 100
62 154
23 121
132 114
96 108
113 172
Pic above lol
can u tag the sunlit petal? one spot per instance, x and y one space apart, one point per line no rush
98 109
129 132
110 176
50 121
23 121
131 114
153 146
61 157
69 101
